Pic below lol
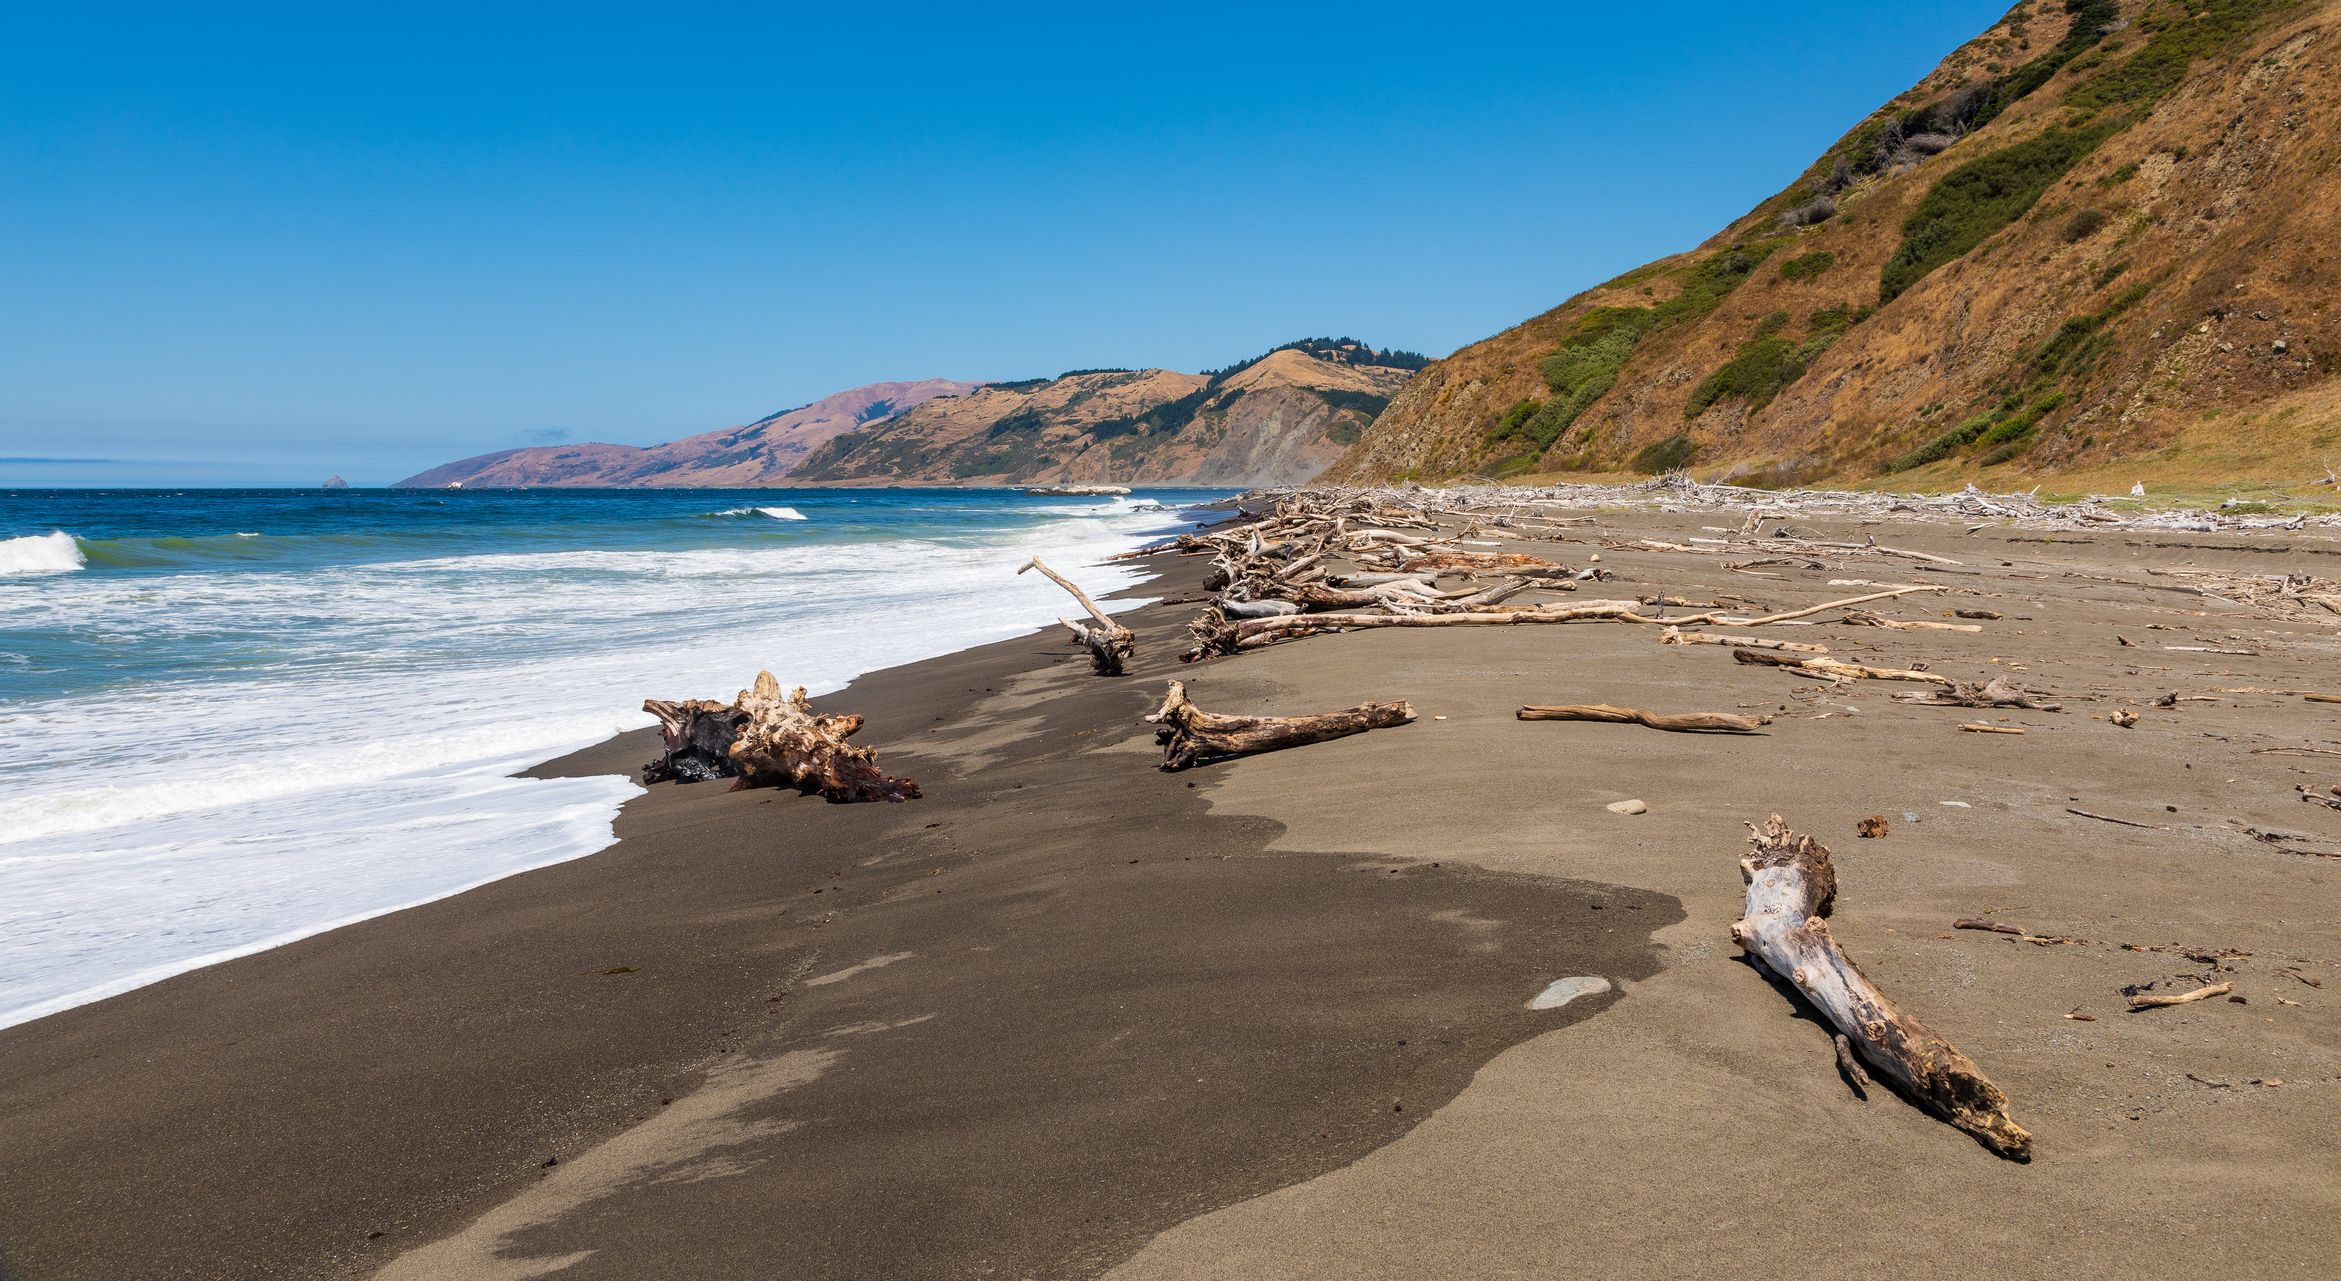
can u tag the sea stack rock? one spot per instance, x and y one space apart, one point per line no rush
336 482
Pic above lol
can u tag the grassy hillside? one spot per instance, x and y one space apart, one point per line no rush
2098 238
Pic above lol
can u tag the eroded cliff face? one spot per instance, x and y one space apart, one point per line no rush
1276 420
761 453
2100 238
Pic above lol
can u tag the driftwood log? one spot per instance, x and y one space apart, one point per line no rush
1835 668
1107 641
1791 888
1678 722
1677 636
1997 692
767 738
1191 736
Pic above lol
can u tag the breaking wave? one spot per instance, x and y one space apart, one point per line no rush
776 513
55 553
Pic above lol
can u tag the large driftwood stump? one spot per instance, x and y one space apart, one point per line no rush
1190 736
766 738
1791 887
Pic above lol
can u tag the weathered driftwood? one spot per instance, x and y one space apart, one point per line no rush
1835 668
1676 722
2153 1001
1191 736
1791 888
1107 641
1997 692
767 738
699 734
1677 636
1864 618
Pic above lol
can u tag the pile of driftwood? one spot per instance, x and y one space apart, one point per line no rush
1330 562
767 738
1553 504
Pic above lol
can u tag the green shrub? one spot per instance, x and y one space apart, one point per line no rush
1807 266
2006 453
1940 447
2082 225
1837 318
2111 273
1768 364
1509 424
1980 197
2199 29
2119 176
2062 346
1756 373
1664 456
1589 360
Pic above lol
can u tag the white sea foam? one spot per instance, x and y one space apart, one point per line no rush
151 829
776 513
55 553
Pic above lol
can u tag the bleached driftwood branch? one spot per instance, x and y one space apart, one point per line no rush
1791 887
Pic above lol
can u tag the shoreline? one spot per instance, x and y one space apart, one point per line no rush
525 826
969 1032
443 1054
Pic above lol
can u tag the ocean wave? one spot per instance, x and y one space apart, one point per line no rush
55 553
776 513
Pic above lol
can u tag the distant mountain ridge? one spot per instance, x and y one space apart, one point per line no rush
761 453
1278 418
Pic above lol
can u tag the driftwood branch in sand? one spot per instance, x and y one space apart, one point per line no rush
1108 642
1677 722
1864 618
2150 1001
1677 636
1791 888
1836 668
1191 736
1998 692
767 738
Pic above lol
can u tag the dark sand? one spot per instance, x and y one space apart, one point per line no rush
1000 1047
1013 1029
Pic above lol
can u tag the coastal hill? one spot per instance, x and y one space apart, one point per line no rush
757 454
2095 244
1277 419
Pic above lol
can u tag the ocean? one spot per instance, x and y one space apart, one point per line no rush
234 718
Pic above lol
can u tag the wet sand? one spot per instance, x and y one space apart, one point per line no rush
1014 1028
1070 1017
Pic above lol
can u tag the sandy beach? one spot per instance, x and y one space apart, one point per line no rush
1072 1016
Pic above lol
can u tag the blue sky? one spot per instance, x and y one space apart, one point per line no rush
256 244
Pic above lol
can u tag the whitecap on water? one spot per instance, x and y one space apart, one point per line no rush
55 553
776 513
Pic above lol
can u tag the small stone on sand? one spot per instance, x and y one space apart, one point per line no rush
1628 807
1562 991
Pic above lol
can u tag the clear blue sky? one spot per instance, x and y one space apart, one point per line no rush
261 244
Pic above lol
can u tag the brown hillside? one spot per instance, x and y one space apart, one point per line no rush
1276 420
2099 236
